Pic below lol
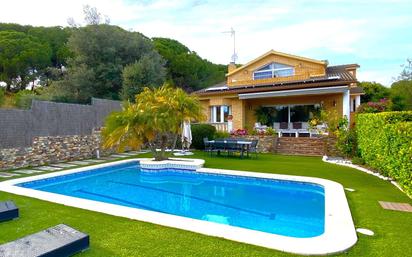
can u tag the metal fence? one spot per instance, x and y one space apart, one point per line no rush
18 127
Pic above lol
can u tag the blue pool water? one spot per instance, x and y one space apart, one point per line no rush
275 206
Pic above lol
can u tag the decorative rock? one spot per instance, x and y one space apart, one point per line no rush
365 231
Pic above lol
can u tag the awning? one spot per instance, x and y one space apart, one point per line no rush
305 91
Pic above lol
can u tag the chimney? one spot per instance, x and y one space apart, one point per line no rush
231 67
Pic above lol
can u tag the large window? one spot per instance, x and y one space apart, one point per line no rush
292 113
274 70
220 113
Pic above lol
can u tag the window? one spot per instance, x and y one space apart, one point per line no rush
274 70
292 113
353 109
220 113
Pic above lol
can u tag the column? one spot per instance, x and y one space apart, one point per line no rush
346 104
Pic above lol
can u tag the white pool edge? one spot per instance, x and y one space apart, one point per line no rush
339 234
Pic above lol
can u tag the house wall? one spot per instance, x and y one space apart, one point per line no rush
326 100
303 69
243 111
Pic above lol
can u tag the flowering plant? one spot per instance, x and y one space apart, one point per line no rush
239 132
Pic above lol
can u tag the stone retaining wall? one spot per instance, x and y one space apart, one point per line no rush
267 144
52 149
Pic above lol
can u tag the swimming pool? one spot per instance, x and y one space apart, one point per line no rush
264 207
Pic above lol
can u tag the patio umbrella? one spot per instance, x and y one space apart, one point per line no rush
186 135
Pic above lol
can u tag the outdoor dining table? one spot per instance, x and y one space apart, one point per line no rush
245 145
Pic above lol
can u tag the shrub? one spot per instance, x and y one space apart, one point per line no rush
221 134
24 98
2 95
385 143
375 107
200 131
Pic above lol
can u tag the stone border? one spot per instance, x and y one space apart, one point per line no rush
339 233
348 163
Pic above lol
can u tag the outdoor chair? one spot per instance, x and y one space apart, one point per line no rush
60 240
207 144
232 147
254 147
8 211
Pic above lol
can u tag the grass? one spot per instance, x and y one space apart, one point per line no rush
114 236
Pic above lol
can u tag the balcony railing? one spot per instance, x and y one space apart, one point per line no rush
220 126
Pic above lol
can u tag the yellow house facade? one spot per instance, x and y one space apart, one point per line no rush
290 90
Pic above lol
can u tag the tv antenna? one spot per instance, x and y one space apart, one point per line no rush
232 33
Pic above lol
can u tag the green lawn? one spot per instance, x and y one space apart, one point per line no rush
113 236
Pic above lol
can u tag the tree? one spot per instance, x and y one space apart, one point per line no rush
22 57
401 95
100 54
406 73
149 71
185 68
373 91
155 119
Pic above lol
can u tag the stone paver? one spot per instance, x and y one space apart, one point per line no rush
406 207
63 165
94 160
7 175
26 171
119 155
47 168
79 163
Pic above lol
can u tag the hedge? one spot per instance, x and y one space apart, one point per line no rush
200 131
385 143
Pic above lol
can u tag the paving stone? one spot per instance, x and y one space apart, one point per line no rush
63 165
119 155
26 171
47 168
7 175
79 163
94 160
406 207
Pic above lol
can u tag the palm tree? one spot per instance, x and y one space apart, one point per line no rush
154 120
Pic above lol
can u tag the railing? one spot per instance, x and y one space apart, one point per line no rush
220 126
298 76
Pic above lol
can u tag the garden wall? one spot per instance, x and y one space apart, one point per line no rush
52 149
385 144
18 128
266 144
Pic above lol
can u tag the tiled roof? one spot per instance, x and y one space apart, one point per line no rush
335 75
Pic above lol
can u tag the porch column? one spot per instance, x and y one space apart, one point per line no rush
357 101
346 104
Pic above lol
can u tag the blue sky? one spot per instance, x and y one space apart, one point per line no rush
375 34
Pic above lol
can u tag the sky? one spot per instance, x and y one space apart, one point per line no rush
377 35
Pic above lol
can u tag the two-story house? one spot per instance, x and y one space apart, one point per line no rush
292 89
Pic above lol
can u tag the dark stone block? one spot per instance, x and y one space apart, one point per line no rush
58 241
8 211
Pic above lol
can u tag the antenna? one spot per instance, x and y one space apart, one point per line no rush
233 34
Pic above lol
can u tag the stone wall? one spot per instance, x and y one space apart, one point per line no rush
52 149
295 146
266 144
18 128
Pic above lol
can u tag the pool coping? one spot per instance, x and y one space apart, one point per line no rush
339 234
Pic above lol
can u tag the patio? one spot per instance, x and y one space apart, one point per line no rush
114 236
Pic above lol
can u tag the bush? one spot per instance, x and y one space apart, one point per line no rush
221 134
346 142
200 131
375 107
24 98
385 143
2 95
